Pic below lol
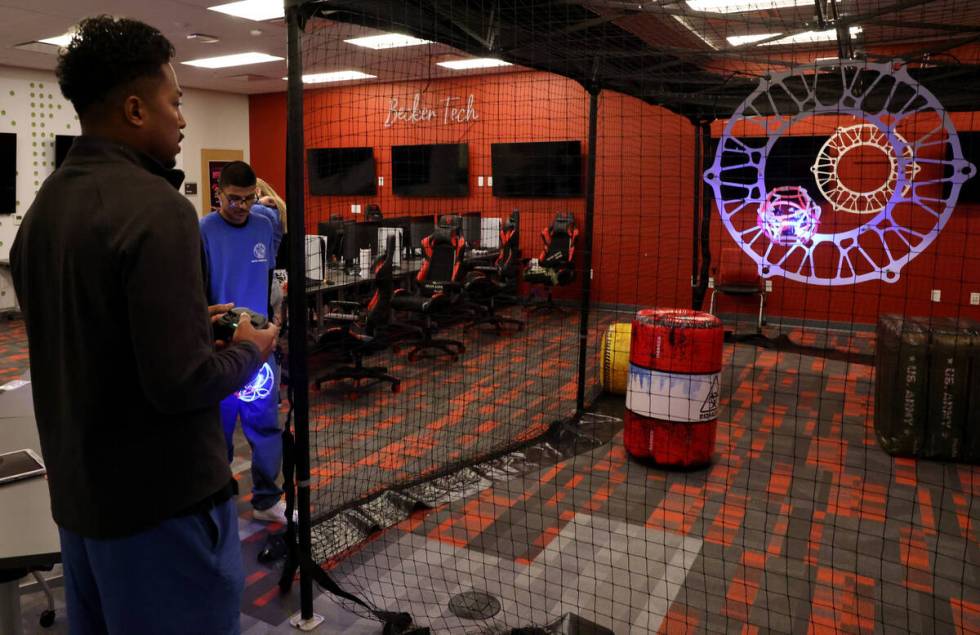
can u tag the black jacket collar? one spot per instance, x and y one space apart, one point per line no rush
88 147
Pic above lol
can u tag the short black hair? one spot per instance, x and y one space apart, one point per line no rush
237 174
108 54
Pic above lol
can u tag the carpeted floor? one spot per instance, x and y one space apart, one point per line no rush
800 525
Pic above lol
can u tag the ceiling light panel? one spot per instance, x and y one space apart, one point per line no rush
238 59
335 76
739 40
59 40
386 41
478 62
744 6
812 37
257 10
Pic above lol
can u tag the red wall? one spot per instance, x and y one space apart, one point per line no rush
644 178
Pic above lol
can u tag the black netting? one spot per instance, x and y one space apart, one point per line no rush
535 251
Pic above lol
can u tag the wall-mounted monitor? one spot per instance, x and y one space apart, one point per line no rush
341 171
431 170
62 144
8 172
788 163
550 169
970 145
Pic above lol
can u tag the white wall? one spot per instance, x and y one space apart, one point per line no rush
31 106
216 121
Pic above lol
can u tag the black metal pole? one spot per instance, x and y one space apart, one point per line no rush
296 224
705 240
696 195
587 251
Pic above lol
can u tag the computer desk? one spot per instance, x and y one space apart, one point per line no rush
28 535
340 281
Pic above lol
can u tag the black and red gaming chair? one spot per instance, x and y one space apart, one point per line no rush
438 289
556 264
355 332
485 284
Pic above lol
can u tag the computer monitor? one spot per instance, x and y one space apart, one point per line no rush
419 228
471 228
358 236
334 232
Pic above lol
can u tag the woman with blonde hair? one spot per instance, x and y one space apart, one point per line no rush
269 198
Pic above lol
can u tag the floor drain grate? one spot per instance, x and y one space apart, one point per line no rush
474 605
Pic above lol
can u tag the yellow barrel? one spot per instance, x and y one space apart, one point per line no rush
614 362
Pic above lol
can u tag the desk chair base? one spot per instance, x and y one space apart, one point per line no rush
358 373
546 306
453 348
497 322
762 304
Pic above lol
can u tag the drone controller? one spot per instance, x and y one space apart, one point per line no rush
224 327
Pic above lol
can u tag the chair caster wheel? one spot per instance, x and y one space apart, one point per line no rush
396 388
47 618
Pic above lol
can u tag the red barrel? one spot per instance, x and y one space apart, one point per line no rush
672 397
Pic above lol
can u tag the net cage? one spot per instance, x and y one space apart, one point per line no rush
637 317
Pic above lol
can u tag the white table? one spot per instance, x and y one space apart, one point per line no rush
28 534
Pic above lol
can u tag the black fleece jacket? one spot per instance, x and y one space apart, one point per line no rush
108 269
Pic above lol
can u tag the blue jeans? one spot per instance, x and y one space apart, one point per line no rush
260 423
183 576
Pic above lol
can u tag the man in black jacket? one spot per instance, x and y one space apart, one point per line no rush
107 267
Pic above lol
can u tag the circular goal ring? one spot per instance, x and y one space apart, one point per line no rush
826 169
882 95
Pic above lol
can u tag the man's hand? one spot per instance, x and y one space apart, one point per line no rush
265 339
215 311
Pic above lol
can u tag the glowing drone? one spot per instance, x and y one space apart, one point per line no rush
260 387
901 216
789 216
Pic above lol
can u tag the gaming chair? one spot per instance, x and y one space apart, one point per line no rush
356 332
438 289
556 264
485 284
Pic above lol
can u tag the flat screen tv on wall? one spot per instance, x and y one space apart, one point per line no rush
341 171
549 169
441 169
8 172
62 144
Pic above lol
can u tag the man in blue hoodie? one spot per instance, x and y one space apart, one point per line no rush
240 252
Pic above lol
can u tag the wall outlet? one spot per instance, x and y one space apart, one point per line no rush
489 181
975 299
711 283
479 181
768 286
355 209
936 295
381 181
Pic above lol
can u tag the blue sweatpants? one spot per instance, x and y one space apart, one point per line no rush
183 576
260 423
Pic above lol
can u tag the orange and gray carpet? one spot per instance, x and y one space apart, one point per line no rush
800 525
